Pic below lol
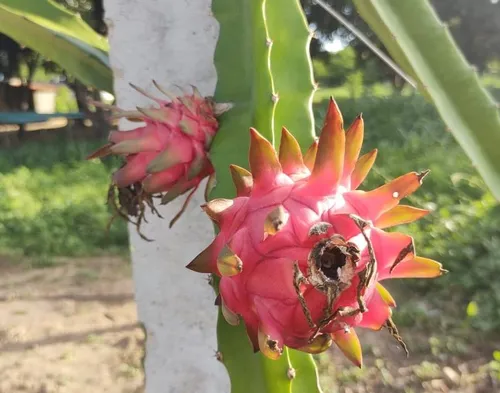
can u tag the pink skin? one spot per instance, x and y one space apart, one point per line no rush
264 292
156 136
266 284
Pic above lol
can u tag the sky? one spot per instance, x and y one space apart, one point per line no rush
333 46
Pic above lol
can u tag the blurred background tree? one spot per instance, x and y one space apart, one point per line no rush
18 61
13 55
91 11
473 24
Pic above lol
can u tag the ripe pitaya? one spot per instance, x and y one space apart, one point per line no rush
301 254
166 155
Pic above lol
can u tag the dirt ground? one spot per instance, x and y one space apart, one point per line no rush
69 326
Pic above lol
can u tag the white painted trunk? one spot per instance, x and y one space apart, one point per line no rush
173 42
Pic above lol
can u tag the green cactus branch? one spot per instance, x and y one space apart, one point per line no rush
242 60
424 48
262 45
291 69
306 373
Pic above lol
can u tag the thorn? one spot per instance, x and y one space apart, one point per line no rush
196 92
136 116
223 107
169 94
181 89
422 175
152 114
144 92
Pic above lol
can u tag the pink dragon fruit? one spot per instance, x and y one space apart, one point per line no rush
166 155
301 254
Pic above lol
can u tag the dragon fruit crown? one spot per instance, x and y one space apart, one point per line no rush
301 253
169 154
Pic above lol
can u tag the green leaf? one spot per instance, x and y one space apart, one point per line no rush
368 12
423 46
291 69
60 36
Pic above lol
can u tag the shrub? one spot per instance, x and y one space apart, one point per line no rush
55 203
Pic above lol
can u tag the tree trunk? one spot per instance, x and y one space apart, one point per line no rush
173 42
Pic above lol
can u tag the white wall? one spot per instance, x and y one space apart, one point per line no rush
173 42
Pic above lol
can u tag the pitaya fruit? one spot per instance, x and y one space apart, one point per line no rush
169 154
301 254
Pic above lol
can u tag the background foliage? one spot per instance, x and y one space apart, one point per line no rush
473 24
55 203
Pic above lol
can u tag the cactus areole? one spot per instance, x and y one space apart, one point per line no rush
167 156
301 253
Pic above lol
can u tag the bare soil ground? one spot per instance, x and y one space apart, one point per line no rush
70 326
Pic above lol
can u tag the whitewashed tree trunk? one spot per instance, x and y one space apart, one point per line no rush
173 42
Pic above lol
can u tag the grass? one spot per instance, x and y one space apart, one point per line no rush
52 202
